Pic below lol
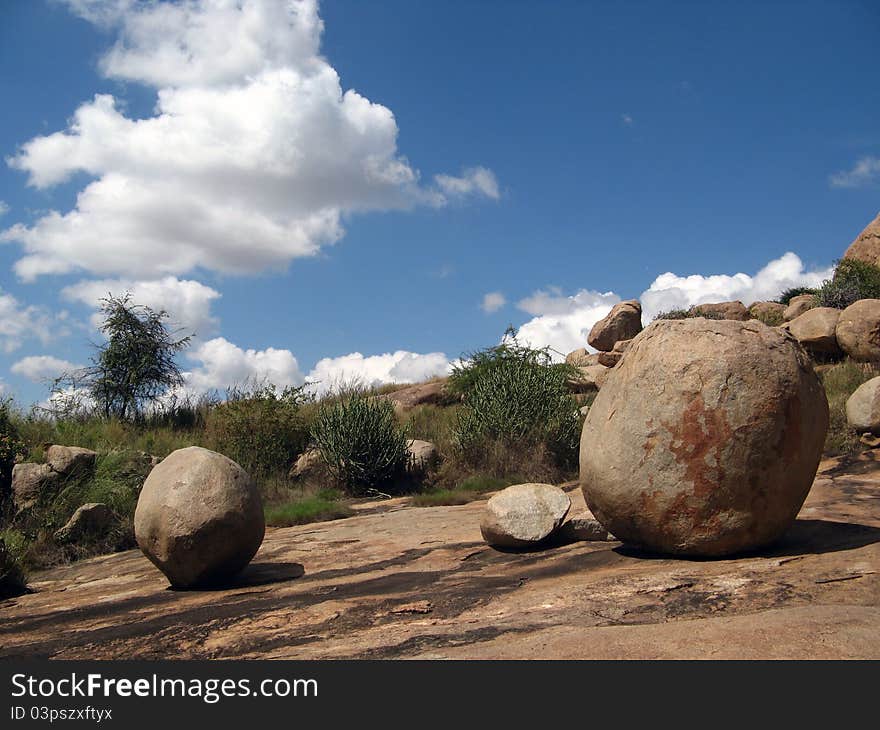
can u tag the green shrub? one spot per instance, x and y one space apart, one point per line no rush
852 280
12 578
795 291
11 448
361 442
258 427
516 406
466 491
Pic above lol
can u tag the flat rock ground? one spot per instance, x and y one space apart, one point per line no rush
403 582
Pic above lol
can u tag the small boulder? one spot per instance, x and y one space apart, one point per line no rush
866 247
798 305
93 518
308 462
770 313
583 529
421 454
199 517
410 396
581 358
69 460
863 407
705 439
29 481
610 359
816 330
734 310
623 322
588 379
524 515
858 330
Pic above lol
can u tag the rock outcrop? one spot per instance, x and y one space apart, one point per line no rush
863 407
524 515
866 247
798 305
735 310
623 322
816 330
858 330
705 439
199 518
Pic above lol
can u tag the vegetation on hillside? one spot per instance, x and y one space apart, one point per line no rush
852 280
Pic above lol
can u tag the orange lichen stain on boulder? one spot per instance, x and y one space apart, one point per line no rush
697 441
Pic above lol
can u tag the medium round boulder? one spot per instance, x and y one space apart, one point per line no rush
798 305
858 330
767 312
199 517
816 330
721 310
863 407
580 358
623 322
705 439
524 515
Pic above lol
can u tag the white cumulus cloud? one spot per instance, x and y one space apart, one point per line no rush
252 158
475 180
562 322
865 172
672 291
187 302
397 367
19 322
41 368
493 301
220 364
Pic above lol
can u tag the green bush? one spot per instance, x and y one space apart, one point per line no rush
258 427
795 291
516 406
12 578
852 280
313 508
361 442
11 448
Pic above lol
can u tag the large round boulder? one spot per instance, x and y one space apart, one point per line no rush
705 439
863 407
524 515
199 517
623 322
858 330
816 330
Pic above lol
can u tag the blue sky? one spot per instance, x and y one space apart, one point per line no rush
558 156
